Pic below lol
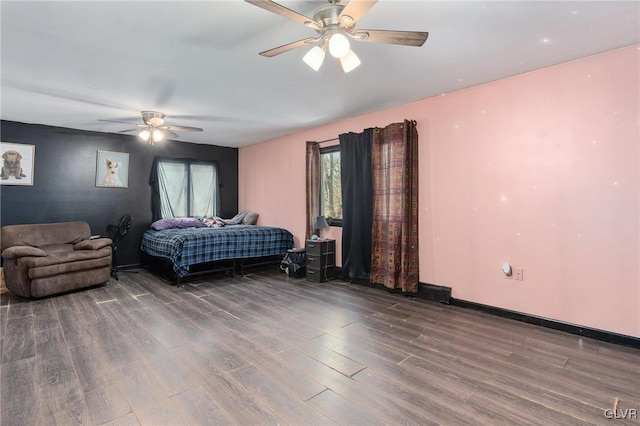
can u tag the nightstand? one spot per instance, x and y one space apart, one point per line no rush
321 260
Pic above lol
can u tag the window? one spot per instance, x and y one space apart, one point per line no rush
188 188
330 187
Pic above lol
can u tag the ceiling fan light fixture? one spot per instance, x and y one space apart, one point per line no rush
156 121
144 135
339 45
157 135
314 57
349 62
153 118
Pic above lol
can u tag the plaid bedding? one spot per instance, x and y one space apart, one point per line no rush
190 246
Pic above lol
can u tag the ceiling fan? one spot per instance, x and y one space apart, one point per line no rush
154 130
335 25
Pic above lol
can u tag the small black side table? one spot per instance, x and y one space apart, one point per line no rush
321 260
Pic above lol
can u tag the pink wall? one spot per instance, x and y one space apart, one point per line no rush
540 170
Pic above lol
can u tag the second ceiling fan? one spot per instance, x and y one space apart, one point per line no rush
154 129
335 25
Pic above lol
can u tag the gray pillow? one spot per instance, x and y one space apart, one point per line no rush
250 218
177 222
237 219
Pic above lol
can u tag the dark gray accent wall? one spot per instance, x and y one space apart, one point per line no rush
64 187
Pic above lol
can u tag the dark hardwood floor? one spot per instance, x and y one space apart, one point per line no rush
267 349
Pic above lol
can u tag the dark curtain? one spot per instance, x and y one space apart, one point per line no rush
357 203
313 185
154 182
395 260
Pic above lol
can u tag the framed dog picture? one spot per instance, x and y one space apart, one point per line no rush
112 169
17 163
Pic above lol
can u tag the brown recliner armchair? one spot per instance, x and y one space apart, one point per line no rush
50 258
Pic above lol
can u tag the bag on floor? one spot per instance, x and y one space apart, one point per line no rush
294 263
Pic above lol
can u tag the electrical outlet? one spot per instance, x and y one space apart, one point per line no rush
517 274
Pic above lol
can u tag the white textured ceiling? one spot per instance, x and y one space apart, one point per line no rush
71 63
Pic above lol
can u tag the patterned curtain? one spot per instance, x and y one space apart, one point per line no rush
395 261
313 185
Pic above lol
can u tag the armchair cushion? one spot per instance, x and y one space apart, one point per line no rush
56 248
40 267
68 257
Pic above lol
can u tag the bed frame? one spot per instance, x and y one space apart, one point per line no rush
164 268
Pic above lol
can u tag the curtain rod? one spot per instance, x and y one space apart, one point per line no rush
329 140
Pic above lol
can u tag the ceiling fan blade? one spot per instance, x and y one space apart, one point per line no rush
170 133
62 94
354 10
287 47
405 38
122 122
185 128
129 130
210 118
279 9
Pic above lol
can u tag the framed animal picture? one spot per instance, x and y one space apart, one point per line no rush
112 169
17 163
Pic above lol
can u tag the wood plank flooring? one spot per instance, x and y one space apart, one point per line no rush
266 349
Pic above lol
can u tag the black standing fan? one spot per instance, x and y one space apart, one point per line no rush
117 233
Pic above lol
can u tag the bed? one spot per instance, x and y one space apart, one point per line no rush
187 249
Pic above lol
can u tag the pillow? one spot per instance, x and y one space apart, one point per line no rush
177 222
237 219
251 218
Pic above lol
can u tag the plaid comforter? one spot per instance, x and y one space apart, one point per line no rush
190 246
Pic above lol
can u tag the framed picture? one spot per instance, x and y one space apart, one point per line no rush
17 163
112 169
